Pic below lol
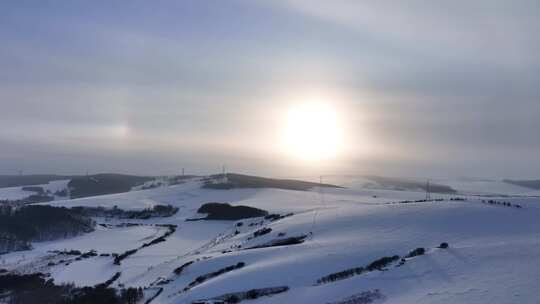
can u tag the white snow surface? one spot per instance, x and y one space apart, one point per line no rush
16 193
494 254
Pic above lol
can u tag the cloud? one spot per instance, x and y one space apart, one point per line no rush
494 32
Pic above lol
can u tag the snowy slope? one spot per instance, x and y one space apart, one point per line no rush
494 254
489 187
16 193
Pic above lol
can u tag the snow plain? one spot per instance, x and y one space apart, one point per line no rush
16 193
494 254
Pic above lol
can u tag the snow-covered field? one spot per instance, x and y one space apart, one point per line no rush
16 193
494 254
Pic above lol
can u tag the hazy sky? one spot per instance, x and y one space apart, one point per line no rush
421 88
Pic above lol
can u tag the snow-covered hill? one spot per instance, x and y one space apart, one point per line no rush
493 257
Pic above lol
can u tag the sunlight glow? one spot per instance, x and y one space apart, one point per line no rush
119 131
313 131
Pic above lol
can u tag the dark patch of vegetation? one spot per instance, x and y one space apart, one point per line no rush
154 241
36 288
101 184
276 217
118 258
295 240
505 204
39 223
155 211
416 252
180 269
224 211
203 278
91 253
109 281
262 232
160 290
259 223
428 201
163 238
378 264
341 275
14 281
67 252
233 180
237 297
381 263
91 295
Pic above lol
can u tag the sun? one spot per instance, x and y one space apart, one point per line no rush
312 131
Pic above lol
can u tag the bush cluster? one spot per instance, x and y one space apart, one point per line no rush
262 232
294 240
506 204
203 278
443 245
115 212
224 211
180 269
275 217
163 238
119 258
378 264
416 252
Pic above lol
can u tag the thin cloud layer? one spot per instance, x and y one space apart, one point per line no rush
425 88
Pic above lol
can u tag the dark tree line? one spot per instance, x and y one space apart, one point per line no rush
36 288
115 212
119 257
39 223
203 278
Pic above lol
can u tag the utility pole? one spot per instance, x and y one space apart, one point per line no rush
428 191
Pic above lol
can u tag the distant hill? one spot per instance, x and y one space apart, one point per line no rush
531 184
101 184
407 184
28 180
235 180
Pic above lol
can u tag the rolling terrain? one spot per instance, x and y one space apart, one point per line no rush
356 244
